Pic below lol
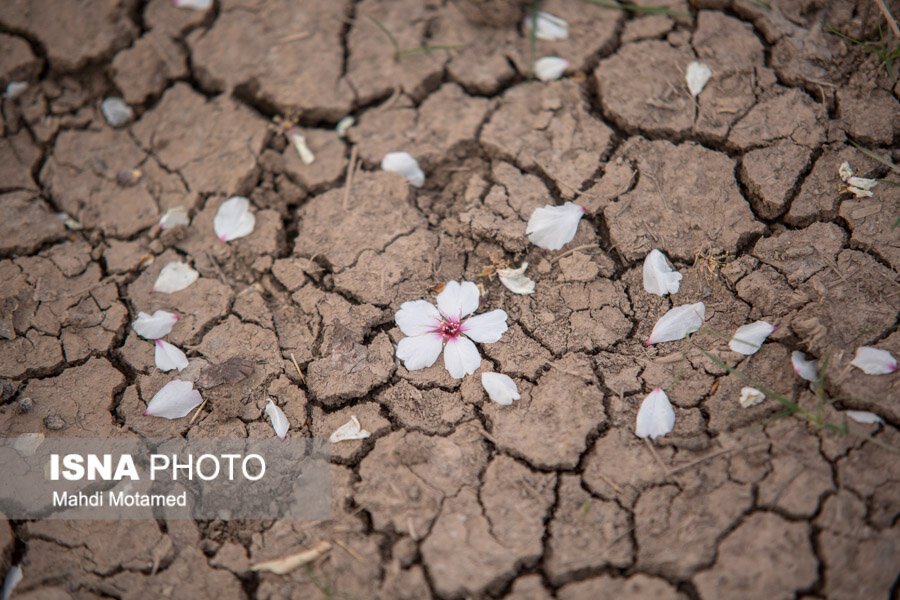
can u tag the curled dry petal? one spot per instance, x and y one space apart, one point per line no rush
550 68
351 430
874 361
550 28
515 280
678 323
234 219
174 217
344 125
174 400
861 416
116 112
276 416
659 276
552 227
750 396
174 277
500 388
193 4
404 164
169 357
748 338
155 326
804 367
656 416
859 192
299 144
845 171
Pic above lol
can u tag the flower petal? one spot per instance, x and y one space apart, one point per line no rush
550 28
697 75
174 216
12 579
862 183
344 125
748 338
461 357
656 416
874 361
194 4
299 143
458 299
404 164
169 357
174 400
515 280
552 227
417 317
351 430
116 112
155 326
677 323
500 388
750 396
803 367
419 351
550 68
174 277
861 416
845 171
234 219
485 328
659 277
276 416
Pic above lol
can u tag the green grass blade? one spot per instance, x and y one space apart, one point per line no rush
386 32
881 159
647 10
424 50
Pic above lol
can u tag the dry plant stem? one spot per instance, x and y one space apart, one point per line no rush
348 183
662 465
888 17
572 251
296 366
286 564
356 555
197 413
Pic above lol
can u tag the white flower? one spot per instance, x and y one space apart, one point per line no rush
173 217
169 357
174 400
748 338
15 88
194 4
659 277
276 416
863 417
750 396
448 327
874 361
500 388
404 164
234 219
697 75
550 28
174 277
656 416
153 327
516 281
351 430
299 143
804 367
550 68
552 227
677 323
116 112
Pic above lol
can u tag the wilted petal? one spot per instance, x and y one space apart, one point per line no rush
234 219
461 357
299 144
174 217
69 222
656 416
515 280
659 277
550 28
457 300
485 328
500 388
351 430
874 361
194 4
116 112
404 164
845 171
15 88
276 416
344 125
862 183
552 227
804 367
419 351
861 416
859 192
417 317
155 326
550 68
174 400
174 277
697 75
169 357
13 577
748 338
678 323
750 396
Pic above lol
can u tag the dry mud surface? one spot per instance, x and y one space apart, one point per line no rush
454 496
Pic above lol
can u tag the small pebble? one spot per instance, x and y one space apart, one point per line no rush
54 422
116 112
24 405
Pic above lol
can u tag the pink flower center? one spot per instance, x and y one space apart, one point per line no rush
449 329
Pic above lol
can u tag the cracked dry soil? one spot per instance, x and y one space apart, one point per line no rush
454 496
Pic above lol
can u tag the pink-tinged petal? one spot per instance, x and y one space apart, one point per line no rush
417 317
174 400
458 299
678 323
500 388
485 328
169 357
748 338
659 277
461 357
155 326
874 361
174 277
276 417
864 417
552 227
804 367
233 219
404 164
656 416
419 351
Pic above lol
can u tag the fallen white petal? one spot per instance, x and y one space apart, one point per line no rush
845 171
461 357
552 227
344 124
299 144
678 323
697 75
174 277
174 217
748 338
174 400
862 183
13 577
656 416
659 276
804 367
516 281
874 361
485 328
550 68
15 88
169 357
351 430
550 28
69 222
234 219
500 388
859 192
861 416
155 326
276 416
194 4
750 396
116 112
404 164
